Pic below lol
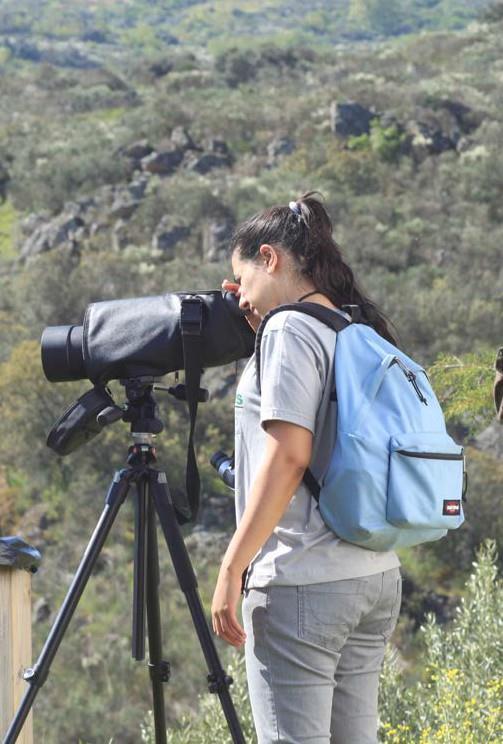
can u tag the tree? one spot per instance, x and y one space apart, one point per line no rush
464 388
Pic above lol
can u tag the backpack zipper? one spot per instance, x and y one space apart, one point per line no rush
409 374
431 455
441 456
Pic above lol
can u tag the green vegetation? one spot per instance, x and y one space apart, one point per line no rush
463 386
8 222
150 25
385 142
458 699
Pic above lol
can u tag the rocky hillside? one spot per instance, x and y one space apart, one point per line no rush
164 157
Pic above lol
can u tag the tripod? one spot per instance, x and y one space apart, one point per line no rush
152 497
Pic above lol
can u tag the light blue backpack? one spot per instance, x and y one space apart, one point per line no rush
395 478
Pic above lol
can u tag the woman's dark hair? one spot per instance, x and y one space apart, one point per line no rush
304 229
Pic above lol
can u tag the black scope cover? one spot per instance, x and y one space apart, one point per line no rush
142 336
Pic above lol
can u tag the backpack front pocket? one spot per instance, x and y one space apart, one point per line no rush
426 477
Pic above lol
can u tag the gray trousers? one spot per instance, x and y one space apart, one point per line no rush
313 657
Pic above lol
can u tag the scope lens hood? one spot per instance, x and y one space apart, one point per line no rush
62 354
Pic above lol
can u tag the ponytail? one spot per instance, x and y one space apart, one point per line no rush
304 229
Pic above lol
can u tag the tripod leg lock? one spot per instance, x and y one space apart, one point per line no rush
34 677
160 672
217 683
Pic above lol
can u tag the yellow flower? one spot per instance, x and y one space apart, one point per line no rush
453 673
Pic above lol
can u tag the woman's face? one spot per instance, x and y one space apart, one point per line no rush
254 284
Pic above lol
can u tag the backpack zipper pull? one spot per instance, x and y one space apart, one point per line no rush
412 379
409 374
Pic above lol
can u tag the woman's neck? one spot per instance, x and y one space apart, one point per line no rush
319 298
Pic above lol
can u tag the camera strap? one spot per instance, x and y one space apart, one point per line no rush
191 319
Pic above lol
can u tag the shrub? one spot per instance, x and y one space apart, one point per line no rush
360 142
457 699
464 387
386 142
236 66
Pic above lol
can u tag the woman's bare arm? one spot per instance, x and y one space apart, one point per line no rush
287 455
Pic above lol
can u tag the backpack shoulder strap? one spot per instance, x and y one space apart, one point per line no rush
333 318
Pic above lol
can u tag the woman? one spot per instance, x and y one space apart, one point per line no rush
317 611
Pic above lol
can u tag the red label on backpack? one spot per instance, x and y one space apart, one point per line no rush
452 508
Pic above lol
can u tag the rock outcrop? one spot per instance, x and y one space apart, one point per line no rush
58 233
182 139
350 119
163 163
216 154
278 148
168 234
216 236
136 151
442 125
59 54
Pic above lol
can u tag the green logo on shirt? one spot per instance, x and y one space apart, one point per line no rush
240 401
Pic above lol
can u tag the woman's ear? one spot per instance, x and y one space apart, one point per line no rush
270 256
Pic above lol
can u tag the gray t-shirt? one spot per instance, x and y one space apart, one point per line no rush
296 369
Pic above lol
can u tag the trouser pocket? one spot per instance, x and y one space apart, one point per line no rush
328 612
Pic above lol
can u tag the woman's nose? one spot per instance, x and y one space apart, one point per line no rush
243 302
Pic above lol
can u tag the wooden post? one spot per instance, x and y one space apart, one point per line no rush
15 646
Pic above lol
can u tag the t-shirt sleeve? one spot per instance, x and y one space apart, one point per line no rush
290 378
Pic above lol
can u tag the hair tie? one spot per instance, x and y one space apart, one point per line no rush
295 207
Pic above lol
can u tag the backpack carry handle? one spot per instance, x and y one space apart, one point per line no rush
373 388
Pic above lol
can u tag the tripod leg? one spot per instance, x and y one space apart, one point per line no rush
140 564
159 669
38 674
218 681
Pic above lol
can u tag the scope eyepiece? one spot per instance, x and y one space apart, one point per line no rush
224 465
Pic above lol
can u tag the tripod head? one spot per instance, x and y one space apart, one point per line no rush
140 409
96 409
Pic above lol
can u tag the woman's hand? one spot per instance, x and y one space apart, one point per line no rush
251 316
224 606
